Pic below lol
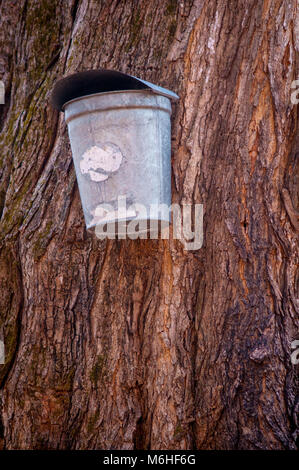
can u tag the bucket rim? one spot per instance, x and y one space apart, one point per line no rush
104 93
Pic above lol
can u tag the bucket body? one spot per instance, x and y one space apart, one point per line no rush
121 146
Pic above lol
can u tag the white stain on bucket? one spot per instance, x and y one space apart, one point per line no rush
99 162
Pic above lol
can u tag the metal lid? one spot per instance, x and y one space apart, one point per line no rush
100 81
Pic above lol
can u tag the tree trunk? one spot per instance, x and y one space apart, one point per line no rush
140 344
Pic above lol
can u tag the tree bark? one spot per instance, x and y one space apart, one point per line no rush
140 344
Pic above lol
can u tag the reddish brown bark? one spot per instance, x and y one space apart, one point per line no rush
140 344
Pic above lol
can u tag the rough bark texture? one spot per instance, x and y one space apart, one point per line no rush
140 344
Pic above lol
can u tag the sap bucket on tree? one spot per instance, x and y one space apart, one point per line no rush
120 133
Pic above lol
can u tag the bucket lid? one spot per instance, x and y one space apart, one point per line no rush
100 81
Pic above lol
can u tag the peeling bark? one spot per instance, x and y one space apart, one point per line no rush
140 344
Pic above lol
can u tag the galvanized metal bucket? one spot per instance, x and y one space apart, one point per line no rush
121 144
